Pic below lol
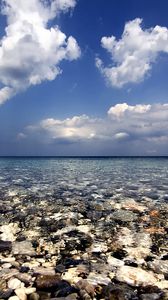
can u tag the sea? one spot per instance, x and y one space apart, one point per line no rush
84 227
88 177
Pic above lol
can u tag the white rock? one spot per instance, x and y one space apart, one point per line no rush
21 293
135 276
44 271
23 248
114 262
30 290
84 228
8 259
96 279
98 248
14 298
8 232
14 283
71 275
6 266
162 284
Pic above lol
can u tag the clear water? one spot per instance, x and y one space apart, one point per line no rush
85 177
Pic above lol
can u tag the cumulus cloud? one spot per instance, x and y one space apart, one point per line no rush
134 129
30 51
133 55
75 128
120 109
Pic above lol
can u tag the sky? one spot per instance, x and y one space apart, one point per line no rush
83 77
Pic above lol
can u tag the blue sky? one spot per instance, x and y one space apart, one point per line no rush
110 97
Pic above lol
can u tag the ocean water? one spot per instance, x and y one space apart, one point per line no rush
102 219
90 178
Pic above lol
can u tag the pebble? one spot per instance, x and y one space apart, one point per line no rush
23 248
21 293
14 283
135 276
14 298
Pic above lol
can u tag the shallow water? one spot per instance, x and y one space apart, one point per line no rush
44 177
95 228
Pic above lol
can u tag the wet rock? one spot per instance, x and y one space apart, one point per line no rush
21 294
23 248
86 287
5 246
14 298
96 279
163 284
123 216
25 278
114 262
135 276
118 292
49 281
43 271
5 294
99 247
8 273
159 266
34 296
8 232
152 296
14 283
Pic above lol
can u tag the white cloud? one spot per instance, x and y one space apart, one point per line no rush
127 129
120 109
30 52
121 135
75 128
5 94
132 55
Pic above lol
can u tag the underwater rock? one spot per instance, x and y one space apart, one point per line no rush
23 248
135 276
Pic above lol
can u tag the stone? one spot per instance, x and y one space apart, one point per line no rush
8 273
135 276
98 248
9 231
34 296
14 298
30 290
6 294
124 216
96 279
47 281
159 266
43 271
23 248
5 246
24 277
83 284
152 296
114 262
163 284
6 266
21 293
14 283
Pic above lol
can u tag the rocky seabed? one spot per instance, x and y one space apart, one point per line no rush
74 249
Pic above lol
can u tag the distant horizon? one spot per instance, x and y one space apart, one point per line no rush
83 156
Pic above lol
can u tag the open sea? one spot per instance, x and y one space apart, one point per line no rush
84 228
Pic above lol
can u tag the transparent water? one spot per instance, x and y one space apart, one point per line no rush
52 177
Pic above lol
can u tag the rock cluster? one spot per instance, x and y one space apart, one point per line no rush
81 244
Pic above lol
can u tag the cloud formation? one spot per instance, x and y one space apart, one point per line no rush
30 52
133 129
133 55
